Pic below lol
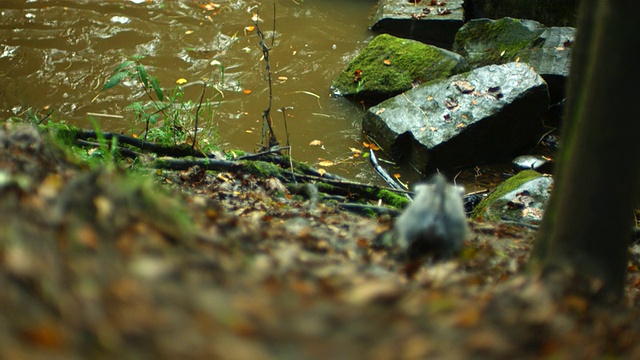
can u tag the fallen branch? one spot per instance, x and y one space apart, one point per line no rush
365 209
144 146
264 164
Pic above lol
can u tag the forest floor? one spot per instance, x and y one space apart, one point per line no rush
97 263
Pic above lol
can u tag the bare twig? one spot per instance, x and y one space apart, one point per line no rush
195 128
286 130
45 117
268 135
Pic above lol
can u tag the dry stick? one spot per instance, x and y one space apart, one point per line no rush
266 114
45 117
286 130
195 130
262 153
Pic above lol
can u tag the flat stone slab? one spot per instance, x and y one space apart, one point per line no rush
548 50
549 12
432 24
469 118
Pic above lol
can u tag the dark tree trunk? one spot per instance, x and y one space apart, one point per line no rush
587 225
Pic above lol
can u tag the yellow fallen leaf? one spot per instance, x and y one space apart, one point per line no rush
322 171
181 81
189 32
315 143
210 6
387 62
354 150
246 91
326 163
250 28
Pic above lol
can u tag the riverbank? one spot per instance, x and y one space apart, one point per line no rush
97 262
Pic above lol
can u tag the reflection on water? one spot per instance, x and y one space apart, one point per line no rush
57 54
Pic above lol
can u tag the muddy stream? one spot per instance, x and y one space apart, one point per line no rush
56 55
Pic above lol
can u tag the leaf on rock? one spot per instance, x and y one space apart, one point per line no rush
464 86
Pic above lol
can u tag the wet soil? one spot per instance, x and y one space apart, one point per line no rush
97 262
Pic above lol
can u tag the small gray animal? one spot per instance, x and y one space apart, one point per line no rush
435 223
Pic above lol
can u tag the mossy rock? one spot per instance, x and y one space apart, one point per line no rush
389 66
493 42
505 201
484 42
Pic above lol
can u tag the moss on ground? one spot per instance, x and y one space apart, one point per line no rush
389 198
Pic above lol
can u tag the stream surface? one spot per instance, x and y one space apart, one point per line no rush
56 55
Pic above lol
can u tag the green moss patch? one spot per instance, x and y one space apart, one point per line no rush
390 65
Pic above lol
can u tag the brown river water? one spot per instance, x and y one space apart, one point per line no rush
57 54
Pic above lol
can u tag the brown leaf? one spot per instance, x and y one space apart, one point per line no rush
464 86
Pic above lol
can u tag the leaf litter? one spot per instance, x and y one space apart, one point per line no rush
96 263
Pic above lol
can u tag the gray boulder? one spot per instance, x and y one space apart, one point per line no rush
548 50
432 24
470 118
